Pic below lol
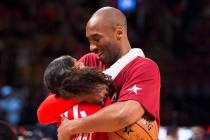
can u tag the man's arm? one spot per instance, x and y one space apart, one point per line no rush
108 119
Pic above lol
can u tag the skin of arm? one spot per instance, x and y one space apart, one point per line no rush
109 119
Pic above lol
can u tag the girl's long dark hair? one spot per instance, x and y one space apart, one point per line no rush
83 81
65 80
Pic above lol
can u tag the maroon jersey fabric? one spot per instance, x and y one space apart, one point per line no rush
91 60
139 80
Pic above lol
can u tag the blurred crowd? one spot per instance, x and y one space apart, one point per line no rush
32 34
174 33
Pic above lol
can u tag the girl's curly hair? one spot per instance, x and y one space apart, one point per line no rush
82 81
66 81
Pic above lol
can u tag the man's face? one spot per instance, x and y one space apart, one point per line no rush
102 40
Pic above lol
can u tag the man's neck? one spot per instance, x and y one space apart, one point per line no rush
126 47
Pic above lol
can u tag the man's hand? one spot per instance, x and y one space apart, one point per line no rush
63 131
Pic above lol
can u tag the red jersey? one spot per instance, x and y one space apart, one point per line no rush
139 80
134 78
80 111
92 60
70 109
52 107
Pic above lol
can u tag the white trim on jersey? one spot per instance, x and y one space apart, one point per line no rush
75 111
65 114
115 69
80 136
83 114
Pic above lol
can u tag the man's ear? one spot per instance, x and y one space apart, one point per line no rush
119 32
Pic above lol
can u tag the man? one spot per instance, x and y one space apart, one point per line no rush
86 88
137 83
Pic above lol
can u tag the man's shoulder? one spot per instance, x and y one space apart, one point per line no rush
89 56
140 61
91 60
138 67
142 64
